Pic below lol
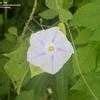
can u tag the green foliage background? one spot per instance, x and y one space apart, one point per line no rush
79 79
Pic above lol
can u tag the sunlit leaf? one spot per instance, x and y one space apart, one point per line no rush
64 15
88 16
62 27
16 67
35 70
48 14
12 30
56 4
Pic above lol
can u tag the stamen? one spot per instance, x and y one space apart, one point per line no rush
51 48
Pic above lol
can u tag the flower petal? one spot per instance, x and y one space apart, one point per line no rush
63 43
38 38
60 59
48 64
33 54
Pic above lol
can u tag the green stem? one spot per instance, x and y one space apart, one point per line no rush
30 18
9 91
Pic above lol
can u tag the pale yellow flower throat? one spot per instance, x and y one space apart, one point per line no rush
51 48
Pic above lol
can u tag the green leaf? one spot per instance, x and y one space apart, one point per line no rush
98 60
25 95
79 3
96 36
79 95
1 19
12 30
93 81
84 36
67 3
86 59
35 70
40 85
88 16
62 27
62 81
8 44
48 14
16 67
4 81
57 4
98 1
64 15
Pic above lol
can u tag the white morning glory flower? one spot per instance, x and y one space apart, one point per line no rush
49 49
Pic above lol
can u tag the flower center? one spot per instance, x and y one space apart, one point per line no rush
51 48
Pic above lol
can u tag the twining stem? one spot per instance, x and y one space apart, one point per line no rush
78 65
30 18
9 90
26 27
